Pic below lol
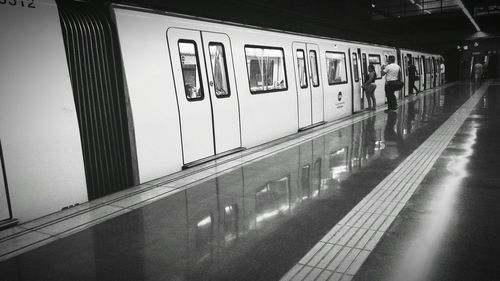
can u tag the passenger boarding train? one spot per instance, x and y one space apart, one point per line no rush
97 99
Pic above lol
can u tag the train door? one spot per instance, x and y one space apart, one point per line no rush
433 73
428 73
223 92
4 201
436 71
357 94
309 92
423 73
316 89
206 92
364 72
406 59
400 62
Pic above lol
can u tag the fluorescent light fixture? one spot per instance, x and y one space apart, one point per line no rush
466 12
427 12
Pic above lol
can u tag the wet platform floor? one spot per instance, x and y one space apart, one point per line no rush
257 221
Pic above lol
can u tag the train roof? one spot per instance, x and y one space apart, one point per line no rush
184 16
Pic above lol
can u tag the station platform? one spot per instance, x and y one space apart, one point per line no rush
405 195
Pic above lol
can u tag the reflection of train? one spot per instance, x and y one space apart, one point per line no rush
94 100
236 213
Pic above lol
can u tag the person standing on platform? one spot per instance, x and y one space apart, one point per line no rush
391 72
443 72
478 71
412 77
369 87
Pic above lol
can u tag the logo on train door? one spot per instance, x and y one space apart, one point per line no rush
339 97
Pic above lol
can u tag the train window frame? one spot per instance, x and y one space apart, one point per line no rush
228 84
355 62
258 92
378 76
316 72
345 68
306 78
202 96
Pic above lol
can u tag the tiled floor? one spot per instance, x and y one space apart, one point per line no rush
256 216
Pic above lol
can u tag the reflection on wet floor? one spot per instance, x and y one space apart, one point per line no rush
252 223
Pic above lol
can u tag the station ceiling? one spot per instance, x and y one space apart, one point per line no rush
427 24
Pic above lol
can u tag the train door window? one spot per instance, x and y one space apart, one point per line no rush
219 70
375 61
266 69
191 70
355 67
313 61
364 66
405 62
418 65
301 68
336 68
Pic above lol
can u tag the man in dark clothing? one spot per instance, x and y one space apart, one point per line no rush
412 77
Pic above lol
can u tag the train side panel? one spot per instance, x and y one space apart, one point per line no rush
337 94
266 116
38 122
152 93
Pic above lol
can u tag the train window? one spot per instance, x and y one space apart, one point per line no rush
301 68
336 68
191 70
355 67
375 61
219 70
313 60
266 69
272 198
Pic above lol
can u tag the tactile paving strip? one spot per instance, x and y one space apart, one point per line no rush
342 251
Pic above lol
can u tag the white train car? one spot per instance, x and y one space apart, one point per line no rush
133 95
428 68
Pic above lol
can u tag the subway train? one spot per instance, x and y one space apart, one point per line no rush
95 99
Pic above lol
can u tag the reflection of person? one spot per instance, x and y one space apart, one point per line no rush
369 87
391 137
391 72
412 77
478 71
411 116
369 136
